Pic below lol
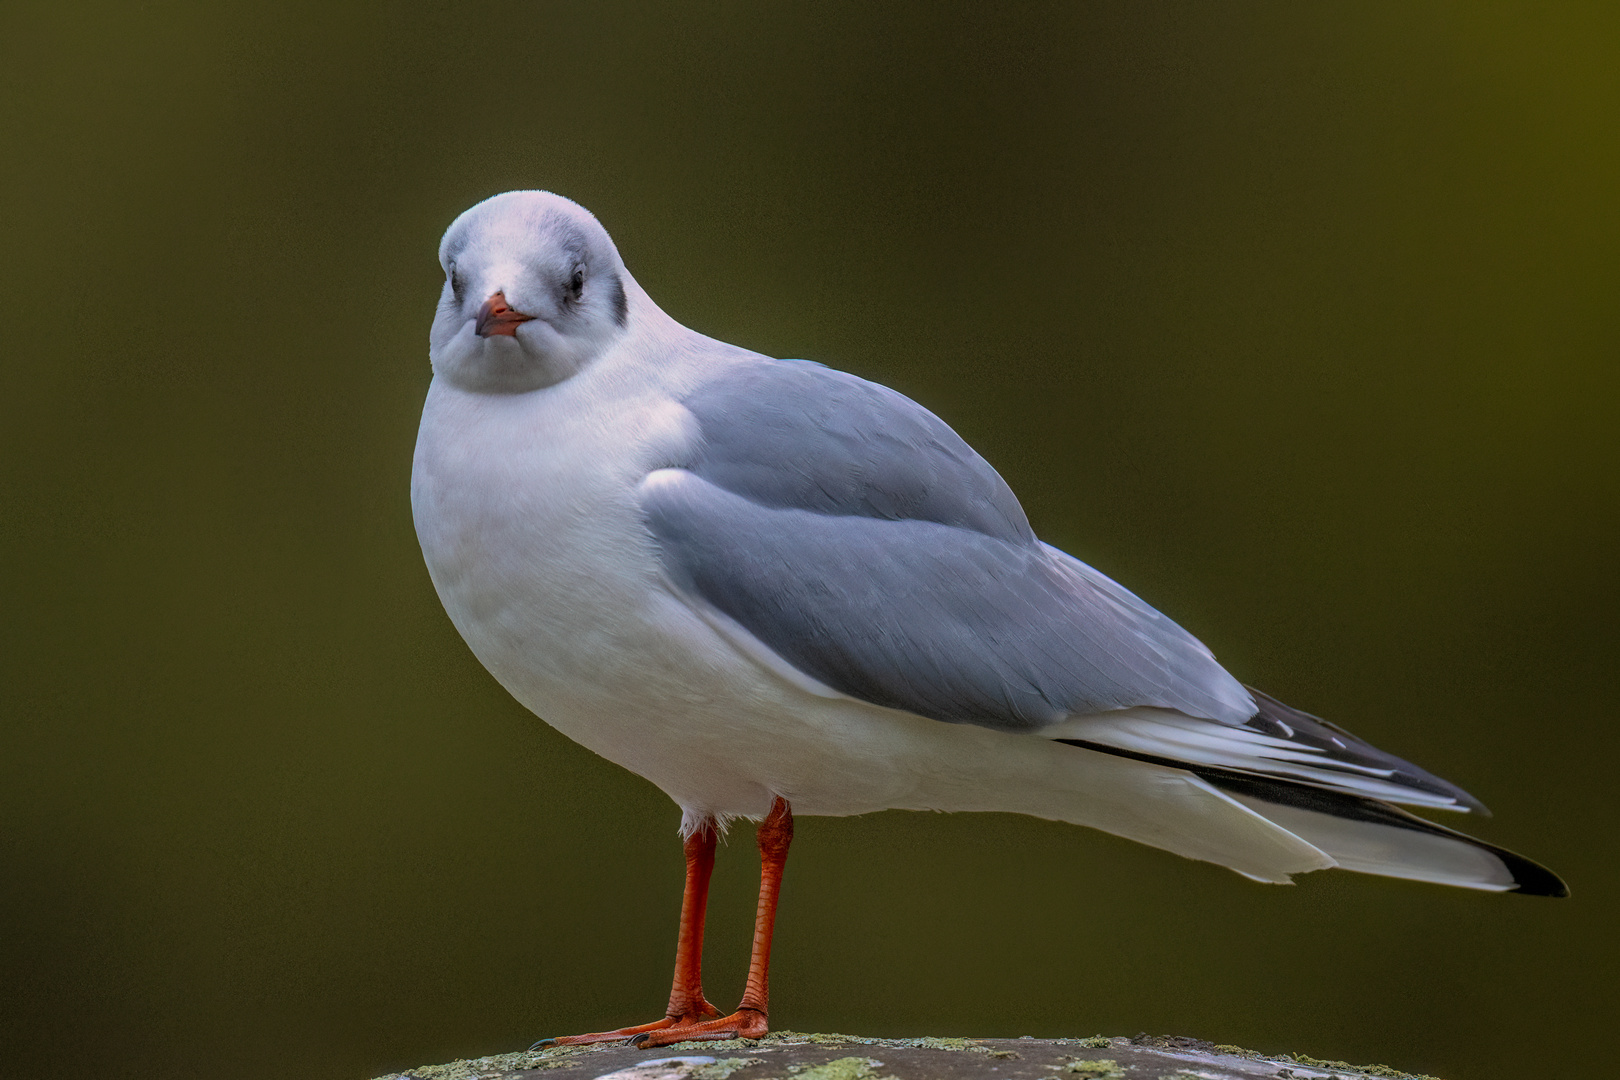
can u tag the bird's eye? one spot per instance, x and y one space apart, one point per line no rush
576 284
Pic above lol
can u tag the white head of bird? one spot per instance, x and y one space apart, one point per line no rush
534 290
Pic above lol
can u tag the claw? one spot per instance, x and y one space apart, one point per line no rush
636 1040
539 1043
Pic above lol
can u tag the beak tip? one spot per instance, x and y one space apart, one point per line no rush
497 319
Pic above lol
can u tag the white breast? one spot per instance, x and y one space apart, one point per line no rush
525 508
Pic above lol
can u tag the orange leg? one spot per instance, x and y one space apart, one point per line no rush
687 1005
749 1021
690 1016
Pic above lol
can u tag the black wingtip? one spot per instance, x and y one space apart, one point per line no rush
1315 731
1530 877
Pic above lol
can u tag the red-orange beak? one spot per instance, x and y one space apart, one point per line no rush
494 317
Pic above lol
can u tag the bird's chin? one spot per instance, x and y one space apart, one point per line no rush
501 363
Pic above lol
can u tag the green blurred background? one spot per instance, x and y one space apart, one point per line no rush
1300 319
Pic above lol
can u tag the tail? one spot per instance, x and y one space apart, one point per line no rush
1373 837
1326 787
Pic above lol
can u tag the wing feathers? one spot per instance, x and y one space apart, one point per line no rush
859 538
944 622
1278 742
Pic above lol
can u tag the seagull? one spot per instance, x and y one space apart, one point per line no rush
773 588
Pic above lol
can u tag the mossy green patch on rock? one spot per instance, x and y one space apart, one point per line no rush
1099 1068
496 1065
1382 1071
1095 1042
930 1042
834 1039
820 1038
700 1047
849 1068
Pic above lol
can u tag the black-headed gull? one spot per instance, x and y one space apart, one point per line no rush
770 587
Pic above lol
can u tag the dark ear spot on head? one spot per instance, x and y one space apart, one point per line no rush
621 307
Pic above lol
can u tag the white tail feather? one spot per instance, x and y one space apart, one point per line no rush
1371 847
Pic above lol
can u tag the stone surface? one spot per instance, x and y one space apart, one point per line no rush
792 1056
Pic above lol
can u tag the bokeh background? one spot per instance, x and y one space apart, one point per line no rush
1300 319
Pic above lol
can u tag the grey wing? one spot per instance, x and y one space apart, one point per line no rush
854 534
790 434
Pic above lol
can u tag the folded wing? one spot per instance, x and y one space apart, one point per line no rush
856 536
